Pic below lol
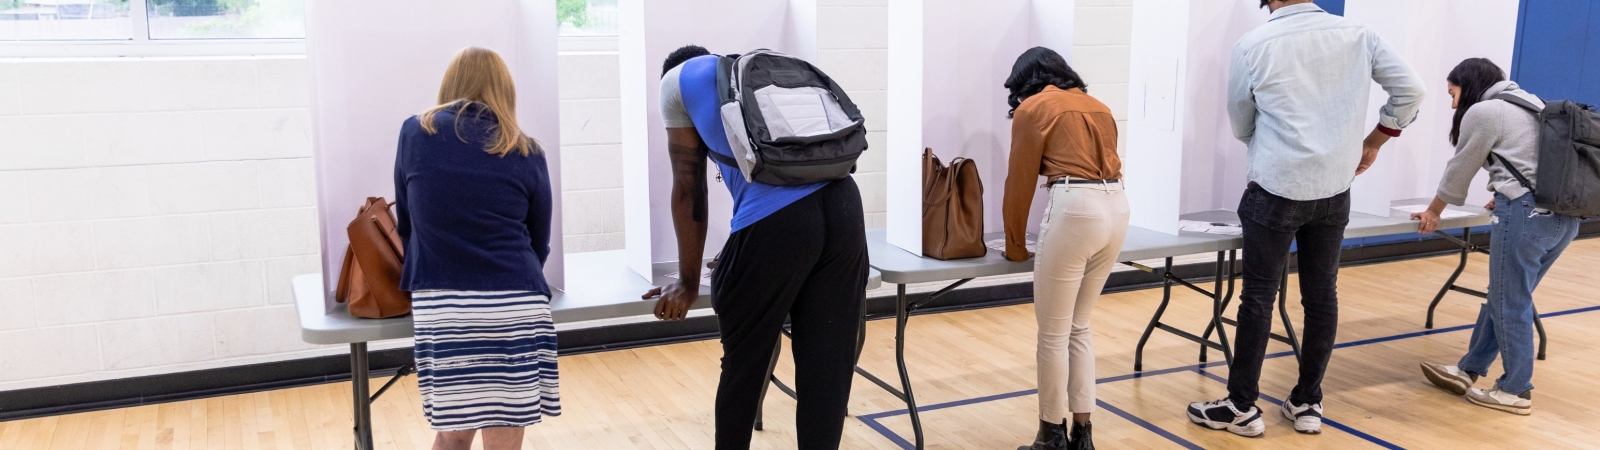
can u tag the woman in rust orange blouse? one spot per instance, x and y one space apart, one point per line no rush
1060 133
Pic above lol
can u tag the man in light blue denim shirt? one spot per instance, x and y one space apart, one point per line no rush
1297 94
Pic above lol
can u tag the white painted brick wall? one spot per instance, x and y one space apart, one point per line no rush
591 152
1101 36
152 211
853 47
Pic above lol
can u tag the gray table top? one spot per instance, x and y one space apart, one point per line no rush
599 286
1366 225
903 267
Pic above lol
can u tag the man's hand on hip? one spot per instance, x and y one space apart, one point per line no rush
1370 148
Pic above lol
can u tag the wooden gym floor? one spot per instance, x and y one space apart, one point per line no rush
979 366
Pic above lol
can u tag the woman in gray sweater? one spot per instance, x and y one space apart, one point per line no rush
1497 135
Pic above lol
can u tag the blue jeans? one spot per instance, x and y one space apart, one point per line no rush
1524 245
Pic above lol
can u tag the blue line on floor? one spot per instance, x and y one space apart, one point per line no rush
872 422
935 407
872 419
1330 422
1147 425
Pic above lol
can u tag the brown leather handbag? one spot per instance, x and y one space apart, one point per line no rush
952 209
370 279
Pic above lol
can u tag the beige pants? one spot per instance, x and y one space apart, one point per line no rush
1079 241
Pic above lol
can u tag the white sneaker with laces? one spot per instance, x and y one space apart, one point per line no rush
1307 418
1450 378
1222 415
1520 404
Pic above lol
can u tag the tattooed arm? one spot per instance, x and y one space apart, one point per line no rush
688 154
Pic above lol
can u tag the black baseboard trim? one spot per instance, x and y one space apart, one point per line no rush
127 392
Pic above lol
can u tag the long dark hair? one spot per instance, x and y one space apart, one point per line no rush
1474 76
1036 68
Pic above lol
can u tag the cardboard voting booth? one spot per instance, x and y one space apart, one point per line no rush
651 30
375 63
949 60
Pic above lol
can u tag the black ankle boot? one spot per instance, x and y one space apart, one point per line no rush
1052 436
1081 439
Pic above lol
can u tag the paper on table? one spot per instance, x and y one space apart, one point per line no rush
705 277
1228 229
1448 213
1000 245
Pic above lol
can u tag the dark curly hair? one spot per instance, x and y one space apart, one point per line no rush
1036 68
681 55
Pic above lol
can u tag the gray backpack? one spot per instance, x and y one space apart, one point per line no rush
787 122
1569 157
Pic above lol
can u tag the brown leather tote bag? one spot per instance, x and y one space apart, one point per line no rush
952 209
370 279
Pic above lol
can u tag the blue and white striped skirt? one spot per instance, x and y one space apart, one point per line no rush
485 359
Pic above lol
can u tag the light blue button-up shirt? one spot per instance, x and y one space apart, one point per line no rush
1298 94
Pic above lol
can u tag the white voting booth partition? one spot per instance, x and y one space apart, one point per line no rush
948 62
1434 36
650 30
1182 155
376 62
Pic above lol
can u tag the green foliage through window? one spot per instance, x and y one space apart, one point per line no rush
575 12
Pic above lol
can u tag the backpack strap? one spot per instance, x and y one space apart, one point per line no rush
722 159
1520 102
1538 114
1514 172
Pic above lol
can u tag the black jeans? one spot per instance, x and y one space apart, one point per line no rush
1271 223
808 263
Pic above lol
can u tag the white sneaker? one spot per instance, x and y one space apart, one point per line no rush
1449 378
1497 399
1222 415
1307 418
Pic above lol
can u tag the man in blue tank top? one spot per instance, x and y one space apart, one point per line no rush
795 252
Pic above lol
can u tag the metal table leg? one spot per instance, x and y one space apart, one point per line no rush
902 314
1283 312
903 309
360 384
1449 285
761 401
1467 248
359 399
1217 304
1219 301
1155 320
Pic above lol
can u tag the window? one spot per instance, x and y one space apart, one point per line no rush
24 20
226 19
586 18
88 28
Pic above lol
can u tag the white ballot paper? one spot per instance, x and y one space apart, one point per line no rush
1448 213
999 245
1229 229
705 277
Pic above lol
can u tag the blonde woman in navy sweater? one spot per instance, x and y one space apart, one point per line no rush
474 205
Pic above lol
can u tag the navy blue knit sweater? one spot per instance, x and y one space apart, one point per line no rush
470 220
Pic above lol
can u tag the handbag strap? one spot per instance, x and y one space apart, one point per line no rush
346 271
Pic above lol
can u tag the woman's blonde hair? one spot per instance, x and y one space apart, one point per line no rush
478 75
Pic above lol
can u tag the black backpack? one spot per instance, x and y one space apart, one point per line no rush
1569 157
787 122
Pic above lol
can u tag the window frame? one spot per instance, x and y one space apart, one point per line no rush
141 45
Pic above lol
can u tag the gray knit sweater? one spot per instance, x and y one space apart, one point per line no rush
1499 127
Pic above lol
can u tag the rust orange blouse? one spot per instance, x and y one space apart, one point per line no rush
1055 133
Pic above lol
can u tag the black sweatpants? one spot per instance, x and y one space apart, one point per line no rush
808 263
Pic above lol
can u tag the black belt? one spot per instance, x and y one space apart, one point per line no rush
1073 181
